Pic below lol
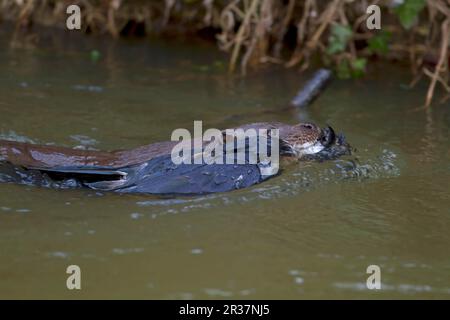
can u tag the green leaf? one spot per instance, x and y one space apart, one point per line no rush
351 69
203 68
379 43
95 55
408 11
340 35
343 70
219 65
358 67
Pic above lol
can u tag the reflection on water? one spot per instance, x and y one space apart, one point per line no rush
310 232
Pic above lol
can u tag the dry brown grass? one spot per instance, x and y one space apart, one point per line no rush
255 32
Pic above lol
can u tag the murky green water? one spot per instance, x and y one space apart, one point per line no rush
309 233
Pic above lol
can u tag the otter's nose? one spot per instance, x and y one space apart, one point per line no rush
328 137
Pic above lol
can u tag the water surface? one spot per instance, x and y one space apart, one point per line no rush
308 233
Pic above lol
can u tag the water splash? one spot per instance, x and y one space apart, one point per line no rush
300 179
85 142
14 136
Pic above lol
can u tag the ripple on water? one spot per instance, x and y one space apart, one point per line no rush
85 142
221 293
291 183
122 251
196 251
19 210
213 292
23 210
401 288
136 215
13 136
88 88
59 254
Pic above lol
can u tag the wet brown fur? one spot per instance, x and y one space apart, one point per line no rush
41 156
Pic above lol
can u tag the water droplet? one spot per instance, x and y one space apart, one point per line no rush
23 210
135 215
59 254
299 280
197 251
294 272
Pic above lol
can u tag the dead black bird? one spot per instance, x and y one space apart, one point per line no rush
150 169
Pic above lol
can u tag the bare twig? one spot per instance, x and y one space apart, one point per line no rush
240 34
442 60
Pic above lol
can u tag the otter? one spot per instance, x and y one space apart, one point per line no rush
150 170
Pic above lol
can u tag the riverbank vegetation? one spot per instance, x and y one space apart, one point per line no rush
290 33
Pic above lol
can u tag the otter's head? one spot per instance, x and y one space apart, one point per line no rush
308 141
